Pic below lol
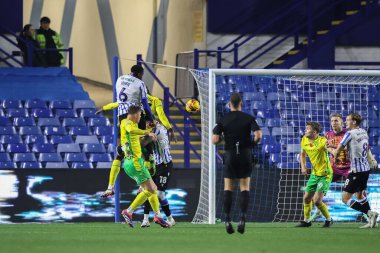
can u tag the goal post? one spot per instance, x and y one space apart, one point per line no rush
210 84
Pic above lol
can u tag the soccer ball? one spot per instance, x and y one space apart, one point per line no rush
192 105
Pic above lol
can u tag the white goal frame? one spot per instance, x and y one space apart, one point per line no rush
212 114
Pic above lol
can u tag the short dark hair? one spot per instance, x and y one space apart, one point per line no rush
26 27
336 115
315 126
45 20
356 116
137 69
235 99
133 109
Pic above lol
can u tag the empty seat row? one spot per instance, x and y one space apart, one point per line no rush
55 104
55 139
55 165
56 157
61 148
57 130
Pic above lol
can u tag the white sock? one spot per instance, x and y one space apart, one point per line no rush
158 213
146 217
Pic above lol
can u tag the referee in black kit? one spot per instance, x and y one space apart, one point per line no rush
236 128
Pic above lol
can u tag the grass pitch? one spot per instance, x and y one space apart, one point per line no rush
186 238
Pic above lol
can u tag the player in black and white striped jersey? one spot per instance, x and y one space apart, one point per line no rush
164 165
356 141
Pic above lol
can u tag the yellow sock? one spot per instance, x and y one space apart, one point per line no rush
307 210
115 169
154 203
324 211
140 199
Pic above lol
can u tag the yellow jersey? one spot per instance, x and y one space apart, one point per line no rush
318 155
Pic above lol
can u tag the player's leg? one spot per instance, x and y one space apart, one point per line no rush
162 179
310 190
115 169
244 202
322 188
227 203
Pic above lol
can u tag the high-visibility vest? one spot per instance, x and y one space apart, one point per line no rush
57 41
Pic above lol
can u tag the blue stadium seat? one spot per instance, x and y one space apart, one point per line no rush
103 130
31 165
9 165
56 130
107 139
253 96
75 157
98 122
17 112
274 96
373 96
68 148
68 122
110 149
2 148
264 130
80 139
30 139
60 104
36 103
293 148
261 105
103 165
65 113
271 148
17 148
100 157
64 139
4 121
89 113
265 114
93 148
287 131
82 165
12 103
7 130
49 157
56 165
2 114
355 106
24 157
326 97
42 113
8 139
24 122
48 122
4 157
30 130
273 122
84 104
43 148
286 141
80 130
268 139
260 122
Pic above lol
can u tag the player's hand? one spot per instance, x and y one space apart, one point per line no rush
304 171
99 111
107 193
153 136
172 135
373 164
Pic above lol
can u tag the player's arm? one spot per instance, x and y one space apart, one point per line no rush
107 107
134 130
303 162
164 120
371 160
144 101
217 134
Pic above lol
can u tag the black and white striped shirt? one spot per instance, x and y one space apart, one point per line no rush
356 141
161 150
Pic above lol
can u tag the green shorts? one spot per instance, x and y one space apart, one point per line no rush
139 175
318 184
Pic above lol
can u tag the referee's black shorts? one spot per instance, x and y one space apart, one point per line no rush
356 182
238 165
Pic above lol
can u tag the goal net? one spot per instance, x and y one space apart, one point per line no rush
282 102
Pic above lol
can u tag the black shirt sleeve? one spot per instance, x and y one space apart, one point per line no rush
254 125
218 129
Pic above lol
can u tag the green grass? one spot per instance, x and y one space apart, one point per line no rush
185 237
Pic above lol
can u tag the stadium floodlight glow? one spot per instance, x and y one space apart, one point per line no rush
310 88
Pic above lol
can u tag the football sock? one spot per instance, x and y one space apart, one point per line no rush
307 211
140 199
115 169
146 216
227 201
324 210
153 200
244 202
362 206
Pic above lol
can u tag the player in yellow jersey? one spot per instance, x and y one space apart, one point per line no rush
314 146
135 168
